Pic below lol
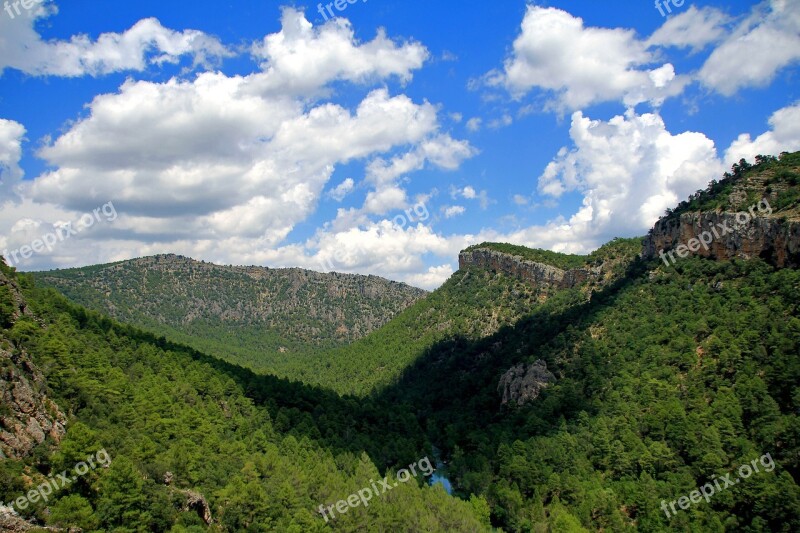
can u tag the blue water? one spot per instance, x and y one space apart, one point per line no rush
443 481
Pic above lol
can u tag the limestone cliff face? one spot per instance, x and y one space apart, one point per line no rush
538 274
772 239
27 416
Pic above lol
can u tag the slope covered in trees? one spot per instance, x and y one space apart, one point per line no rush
177 424
670 378
473 304
262 318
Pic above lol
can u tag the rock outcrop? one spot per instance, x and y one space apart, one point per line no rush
196 502
775 240
538 274
523 383
10 522
27 416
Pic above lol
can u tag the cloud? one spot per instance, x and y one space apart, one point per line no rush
209 147
343 189
581 65
301 59
502 122
11 136
146 43
521 200
693 28
451 211
629 170
385 199
440 150
469 193
224 167
474 124
753 53
433 278
783 137
383 248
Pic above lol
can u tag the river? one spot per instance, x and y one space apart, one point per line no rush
440 474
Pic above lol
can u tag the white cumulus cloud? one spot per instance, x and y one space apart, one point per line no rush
579 65
146 43
753 53
629 170
12 134
694 28
783 137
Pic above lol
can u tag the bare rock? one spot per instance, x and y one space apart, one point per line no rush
538 274
27 416
523 383
11 522
197 502
772 239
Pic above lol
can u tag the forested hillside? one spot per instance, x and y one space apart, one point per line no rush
188 435
262 318
663 381
473 304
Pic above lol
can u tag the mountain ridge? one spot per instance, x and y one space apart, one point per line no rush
256 316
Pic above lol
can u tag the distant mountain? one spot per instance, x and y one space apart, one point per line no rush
262 318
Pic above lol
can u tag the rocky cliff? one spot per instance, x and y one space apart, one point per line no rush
27 416
750 213
539 274
774 240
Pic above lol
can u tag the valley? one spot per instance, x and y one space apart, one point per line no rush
555 392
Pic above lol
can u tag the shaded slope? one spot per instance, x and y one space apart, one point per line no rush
668 378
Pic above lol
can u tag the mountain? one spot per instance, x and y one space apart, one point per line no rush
263 318
477 301
599 411
160 437
649 386
585 393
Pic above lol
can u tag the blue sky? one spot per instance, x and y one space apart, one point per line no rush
383 140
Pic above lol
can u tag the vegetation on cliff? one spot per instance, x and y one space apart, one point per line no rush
775 178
